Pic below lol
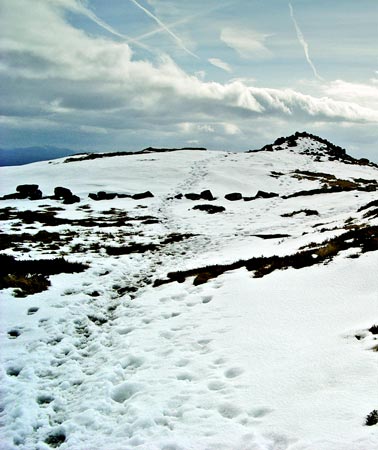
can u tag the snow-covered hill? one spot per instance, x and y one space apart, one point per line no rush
250 322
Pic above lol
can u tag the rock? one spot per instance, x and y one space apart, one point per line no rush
146 194
102 195
62 193
234 196
71 200
93 196
210 209
249 199
178 196
192 196
207 195
124 196
263 194
29 191
36 195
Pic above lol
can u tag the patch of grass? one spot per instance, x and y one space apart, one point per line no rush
132 248
364 238
25 284
55 440
176 237
31 276
44 237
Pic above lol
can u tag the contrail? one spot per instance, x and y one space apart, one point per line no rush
161 29
304 44
157 20
92 16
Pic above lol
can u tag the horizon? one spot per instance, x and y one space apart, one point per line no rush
131 74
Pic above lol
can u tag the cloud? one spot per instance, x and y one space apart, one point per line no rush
221 64
303 43
168 30
363 94
249 44
59 79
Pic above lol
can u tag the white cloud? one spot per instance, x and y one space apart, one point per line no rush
221 64
249 44
363 94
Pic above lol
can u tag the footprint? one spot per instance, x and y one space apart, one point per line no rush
228 410
182 362
44 399
206 299
204 341
233 372
258 413
32 310
124 391
185 376
216 385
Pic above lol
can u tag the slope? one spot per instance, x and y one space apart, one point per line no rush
111 358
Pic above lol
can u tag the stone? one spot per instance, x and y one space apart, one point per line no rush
210 209
207 195
234 196
192 196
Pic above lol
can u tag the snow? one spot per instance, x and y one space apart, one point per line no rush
245 363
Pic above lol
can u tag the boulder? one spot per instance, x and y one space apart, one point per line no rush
263 194
178 196
30 191
192 196
62 193
210 209
142 195
71 200
93 196
207 195
102 195
234 196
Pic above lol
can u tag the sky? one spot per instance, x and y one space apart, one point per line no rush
102 75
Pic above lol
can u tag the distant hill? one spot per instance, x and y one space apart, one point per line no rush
20 156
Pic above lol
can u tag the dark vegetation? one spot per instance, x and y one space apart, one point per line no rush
131 248
331 184
91 156
42 237
372 418
31 276
135 247
308 212
114 218
271 236
372 213
365 239
55 440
